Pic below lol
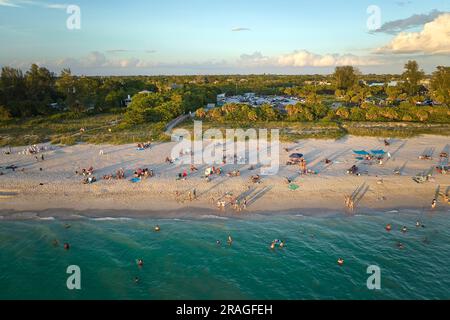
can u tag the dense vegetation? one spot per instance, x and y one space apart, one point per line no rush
38 105
356 100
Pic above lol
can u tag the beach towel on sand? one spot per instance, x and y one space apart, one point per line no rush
135 180
293 187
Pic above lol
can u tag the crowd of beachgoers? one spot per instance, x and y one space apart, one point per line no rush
310 169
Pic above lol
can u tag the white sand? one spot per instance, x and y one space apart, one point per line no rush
21 191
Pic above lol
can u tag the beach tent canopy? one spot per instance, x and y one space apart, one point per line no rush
361 152
296 156
378 152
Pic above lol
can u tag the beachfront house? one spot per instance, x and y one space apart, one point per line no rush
221 99
126 102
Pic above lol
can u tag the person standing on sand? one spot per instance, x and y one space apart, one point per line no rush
303 169
433 204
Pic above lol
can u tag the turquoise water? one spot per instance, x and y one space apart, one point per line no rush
183 261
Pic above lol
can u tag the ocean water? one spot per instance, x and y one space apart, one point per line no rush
183 261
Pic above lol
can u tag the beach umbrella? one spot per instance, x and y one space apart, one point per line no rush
293 187
378 152
361 152
296 156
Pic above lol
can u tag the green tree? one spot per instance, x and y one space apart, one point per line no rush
4 113
411 78
343 113
13 92
40 84
440 85
345 77
268 113
200 113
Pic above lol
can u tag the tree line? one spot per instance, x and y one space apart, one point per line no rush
39 92
358 100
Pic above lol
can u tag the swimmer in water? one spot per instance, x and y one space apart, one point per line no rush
389 227
136 280
140 262
282 244
157 229
230 240
400 246
272 246
218 242
404 229
55 243
340 261
66 246
417 224
433 204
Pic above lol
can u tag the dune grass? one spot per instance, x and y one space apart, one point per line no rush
98 129
107 129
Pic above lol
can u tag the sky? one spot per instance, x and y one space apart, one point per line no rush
155 37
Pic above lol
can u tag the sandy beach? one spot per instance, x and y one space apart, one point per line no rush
56 186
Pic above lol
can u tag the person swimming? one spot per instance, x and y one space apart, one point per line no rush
404 229
281 244
230 240
136 280
433 204
272 246
389 227
400 246
66 246
218 242
157 229
340 261
140 262
55 243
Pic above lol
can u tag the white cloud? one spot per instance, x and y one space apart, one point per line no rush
433 39
56 6
20 3
238 29
305 58
96 60
8 3
255 59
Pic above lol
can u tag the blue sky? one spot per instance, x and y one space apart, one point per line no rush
222 36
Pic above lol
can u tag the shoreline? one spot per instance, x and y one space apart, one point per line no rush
187 214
